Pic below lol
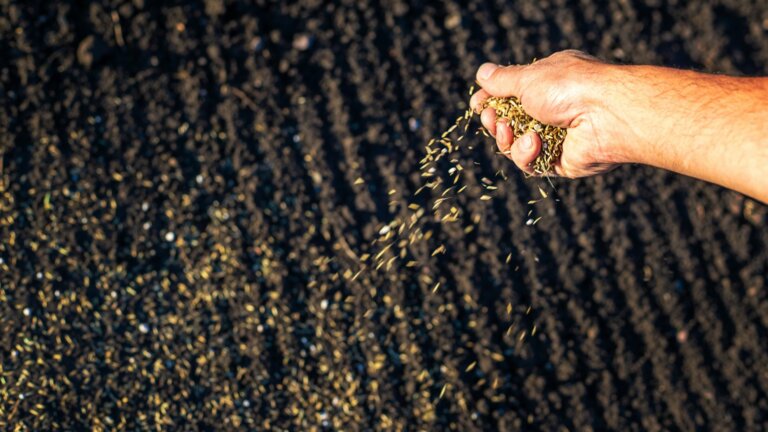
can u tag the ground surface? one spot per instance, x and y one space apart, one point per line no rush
180 204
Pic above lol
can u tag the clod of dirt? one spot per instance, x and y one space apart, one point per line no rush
214 7
452 21
91 50
303 42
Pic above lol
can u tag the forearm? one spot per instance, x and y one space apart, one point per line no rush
711 127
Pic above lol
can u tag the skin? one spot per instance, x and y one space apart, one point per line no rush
711 127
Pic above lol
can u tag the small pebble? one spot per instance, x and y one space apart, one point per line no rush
302 42
256 44
413 124
452 21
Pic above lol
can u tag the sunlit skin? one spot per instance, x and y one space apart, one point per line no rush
711 127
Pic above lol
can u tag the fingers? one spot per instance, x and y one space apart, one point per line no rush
477 100
487 115
524 150
504 138
488 118
501 81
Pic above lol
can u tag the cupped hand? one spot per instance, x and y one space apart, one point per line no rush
565 89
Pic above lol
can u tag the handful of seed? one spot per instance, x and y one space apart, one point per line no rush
552 137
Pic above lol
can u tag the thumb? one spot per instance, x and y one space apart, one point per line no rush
502 81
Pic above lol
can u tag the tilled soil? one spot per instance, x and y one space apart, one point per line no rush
185 189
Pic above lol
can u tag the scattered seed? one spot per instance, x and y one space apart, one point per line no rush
442 391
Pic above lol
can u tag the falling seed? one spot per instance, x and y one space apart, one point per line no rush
510 329
442 392
437 285
471 366
440 249
383 251
543 194
389 263
143 328
485 197
384 230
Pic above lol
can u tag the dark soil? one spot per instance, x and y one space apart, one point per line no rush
179 207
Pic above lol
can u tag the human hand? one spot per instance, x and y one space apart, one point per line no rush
566 90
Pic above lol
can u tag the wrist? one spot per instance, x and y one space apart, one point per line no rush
656 114
625 117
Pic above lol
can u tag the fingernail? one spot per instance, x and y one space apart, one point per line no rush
486 70
526 143
500 132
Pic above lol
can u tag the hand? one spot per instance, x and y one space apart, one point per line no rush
562 90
